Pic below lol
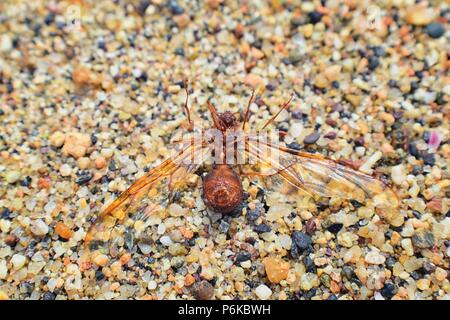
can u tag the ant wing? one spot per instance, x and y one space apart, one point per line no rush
140 206
293 173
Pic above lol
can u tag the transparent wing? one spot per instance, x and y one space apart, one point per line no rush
293 172
129 216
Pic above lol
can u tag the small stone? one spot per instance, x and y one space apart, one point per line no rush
354 99
373 62
314 17
389 290
57 139
224 226
335 228
333 72
419 15
3 269
18 261
301 240
145 247
182 20
276 269
6 43
423 284
440 274
202 290
398 174
175 210
100 162
253 80
63 230
374 257
166 241
177 249
83 163
241 257
312 138
263 292
65 170
76 144
101 260
39 227
407 245
321 82
12 176
308 281
435 30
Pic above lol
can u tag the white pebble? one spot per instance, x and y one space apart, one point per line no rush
398 175
374 257
367 166
263 292
161 228
296 129
18 261
166 241
152 285
65 170
3 269
39 228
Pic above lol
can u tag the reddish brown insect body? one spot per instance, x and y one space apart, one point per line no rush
222 188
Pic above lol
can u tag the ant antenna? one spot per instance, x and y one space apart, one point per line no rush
247 111
285 105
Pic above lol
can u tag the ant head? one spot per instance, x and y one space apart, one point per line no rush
228 119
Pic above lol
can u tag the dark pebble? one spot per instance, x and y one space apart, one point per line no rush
314 17
174 7
374 62
5 213
142 7
435 30
84 178
241 257
262 228
179 52
413 150
356 203
309 264
359 142
310 226
224 226
294 145
389 290
294 58
335 84
202 290
48 296
429 267
312 138
335 228
379 51
301 240
347 272
428 159
254 214
423 241
330 135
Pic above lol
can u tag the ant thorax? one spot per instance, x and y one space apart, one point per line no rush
232 146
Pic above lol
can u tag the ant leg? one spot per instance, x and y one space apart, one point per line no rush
247 111
285 105
186 108
215 116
